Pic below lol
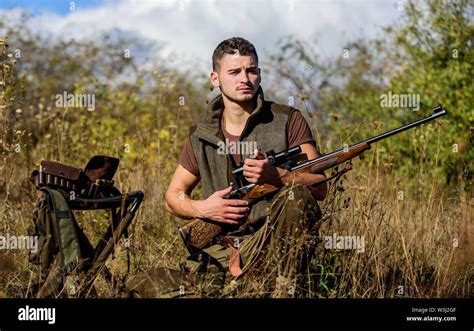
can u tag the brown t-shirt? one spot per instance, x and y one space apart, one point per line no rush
299 133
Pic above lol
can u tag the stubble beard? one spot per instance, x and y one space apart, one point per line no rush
243 99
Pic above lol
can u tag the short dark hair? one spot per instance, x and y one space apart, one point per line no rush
232 46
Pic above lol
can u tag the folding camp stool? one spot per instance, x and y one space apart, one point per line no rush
68 189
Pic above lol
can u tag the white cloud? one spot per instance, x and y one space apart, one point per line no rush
192 29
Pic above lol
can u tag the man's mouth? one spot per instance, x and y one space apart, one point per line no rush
245 89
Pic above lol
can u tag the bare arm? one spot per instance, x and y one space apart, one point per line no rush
177 199
215 207
308 152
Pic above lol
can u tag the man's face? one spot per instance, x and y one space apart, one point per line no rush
238 77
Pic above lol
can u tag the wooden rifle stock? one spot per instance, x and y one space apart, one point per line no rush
329 161
198 233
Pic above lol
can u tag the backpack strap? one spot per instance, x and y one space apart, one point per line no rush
67 237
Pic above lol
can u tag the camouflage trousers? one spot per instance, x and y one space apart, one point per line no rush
272 258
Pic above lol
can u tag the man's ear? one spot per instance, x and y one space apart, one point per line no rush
215 79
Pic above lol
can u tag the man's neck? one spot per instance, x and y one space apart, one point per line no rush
236 114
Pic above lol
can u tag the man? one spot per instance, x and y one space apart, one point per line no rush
272 228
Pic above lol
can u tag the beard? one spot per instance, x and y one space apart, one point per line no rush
241 98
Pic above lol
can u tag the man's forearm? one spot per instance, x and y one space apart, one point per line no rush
181 205
306 179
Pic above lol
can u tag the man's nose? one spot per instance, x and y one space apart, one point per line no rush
244 77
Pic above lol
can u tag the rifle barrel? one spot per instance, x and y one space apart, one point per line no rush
437 112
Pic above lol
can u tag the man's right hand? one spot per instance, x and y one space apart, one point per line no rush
218 209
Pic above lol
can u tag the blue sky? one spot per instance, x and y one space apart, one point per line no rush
60 7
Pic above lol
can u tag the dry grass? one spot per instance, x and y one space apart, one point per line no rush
423 243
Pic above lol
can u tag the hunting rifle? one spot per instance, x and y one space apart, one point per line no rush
198 233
